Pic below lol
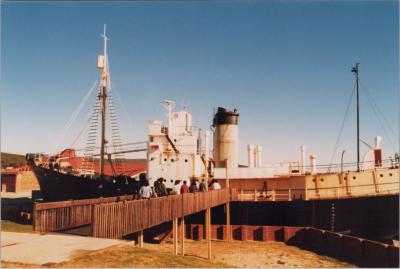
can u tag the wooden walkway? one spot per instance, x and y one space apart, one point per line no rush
115 217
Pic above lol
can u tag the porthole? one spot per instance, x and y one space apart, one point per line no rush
186 160
354 177
381 175
171 180
152 159
172 160
174 140
390 174
322 179
165 159
313 180
345 178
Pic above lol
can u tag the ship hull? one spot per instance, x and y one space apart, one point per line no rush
56 186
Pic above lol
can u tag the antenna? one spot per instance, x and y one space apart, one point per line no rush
169 106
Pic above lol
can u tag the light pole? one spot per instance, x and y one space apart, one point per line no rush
341 162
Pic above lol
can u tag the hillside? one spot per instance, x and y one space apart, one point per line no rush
11 159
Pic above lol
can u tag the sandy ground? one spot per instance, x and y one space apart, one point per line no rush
256 254
50 248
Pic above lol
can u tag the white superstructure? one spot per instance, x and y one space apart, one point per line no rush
175 151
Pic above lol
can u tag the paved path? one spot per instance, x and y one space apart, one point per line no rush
50 248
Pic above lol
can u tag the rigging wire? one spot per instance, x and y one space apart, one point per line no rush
74 115
341 128
380 122
112 86
380 112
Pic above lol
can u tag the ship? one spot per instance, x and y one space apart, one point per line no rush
66 176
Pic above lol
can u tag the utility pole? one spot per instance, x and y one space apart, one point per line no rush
355 70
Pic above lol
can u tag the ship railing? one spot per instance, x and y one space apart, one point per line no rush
290 194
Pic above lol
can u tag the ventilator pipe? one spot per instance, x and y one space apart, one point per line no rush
257 154
250 155
303 159
313 164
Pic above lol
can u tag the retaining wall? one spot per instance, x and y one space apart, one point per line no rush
356 250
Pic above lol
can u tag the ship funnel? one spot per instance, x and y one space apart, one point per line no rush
250 155
378 151
303 159
226 138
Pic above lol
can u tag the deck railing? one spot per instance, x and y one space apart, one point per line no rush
290 194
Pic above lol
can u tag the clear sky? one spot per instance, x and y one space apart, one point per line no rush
285 65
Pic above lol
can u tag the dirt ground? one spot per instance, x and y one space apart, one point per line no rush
256 254
69 251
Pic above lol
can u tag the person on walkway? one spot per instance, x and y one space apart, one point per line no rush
163 188
184 188
175 188
145 191
202 187
215 185
160 188
156 186
193 187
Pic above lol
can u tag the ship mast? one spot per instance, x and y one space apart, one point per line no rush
355 71
102 64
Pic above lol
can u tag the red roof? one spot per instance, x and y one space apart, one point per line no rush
14 171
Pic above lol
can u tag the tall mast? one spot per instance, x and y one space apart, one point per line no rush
103 97
355 70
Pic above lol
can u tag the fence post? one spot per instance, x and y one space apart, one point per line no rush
208 232
175 235
290 195
228 221
94 221
34 222
182 231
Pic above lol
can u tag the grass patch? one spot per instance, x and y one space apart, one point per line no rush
127 255
9 226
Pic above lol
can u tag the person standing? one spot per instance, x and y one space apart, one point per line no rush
145 191
184 188
193 187
202 187
175 188
215 185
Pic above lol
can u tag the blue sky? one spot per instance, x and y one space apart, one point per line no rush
285 65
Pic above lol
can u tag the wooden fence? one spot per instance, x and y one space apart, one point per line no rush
113 220
58 216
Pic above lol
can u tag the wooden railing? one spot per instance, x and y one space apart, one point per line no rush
116 216
113 220
290 194
58 216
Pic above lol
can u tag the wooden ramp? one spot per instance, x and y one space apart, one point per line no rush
115 217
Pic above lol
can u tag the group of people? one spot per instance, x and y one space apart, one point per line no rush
146 191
